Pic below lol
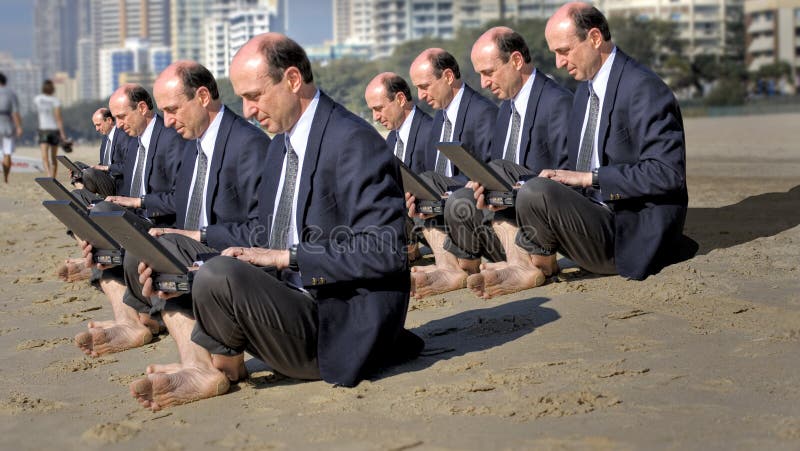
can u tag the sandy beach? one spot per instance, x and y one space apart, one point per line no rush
704 355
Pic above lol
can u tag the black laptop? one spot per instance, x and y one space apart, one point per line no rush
170 275
69 164
104 249
429 200
498 191
58 191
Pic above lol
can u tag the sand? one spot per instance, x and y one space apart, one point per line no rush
703 355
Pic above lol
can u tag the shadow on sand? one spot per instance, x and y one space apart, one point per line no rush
476 330
757 216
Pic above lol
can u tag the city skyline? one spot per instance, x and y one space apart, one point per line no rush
313 27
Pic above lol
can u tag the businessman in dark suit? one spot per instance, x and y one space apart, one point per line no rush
619 204
104 178
150 171
461 115
389 97
332 210
215 198
530 135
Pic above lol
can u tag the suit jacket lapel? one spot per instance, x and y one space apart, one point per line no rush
501 130
103 143
318 125
436 132
608 103
391 140
157 128
530 114
269 184
576 123
412 137
458 127
216 160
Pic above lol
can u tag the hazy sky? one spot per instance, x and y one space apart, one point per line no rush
310 22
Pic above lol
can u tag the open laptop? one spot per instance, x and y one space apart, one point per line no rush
58 191
429 200
69 164
104 249
170 275
498 191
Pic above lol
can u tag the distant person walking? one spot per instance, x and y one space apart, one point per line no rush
51 127
10 124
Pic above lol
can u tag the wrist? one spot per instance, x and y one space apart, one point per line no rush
595 183
291 261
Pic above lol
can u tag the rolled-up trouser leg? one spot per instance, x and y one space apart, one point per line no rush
186 251
555 218
239 307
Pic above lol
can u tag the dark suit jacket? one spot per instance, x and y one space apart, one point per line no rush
350 221
418 141
119 149
234 177
642 165
543 135
163 162
474 127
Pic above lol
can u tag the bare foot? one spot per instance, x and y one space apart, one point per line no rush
163 368
428 283
73 269
160 390
101 324
99 341
232 366
497 282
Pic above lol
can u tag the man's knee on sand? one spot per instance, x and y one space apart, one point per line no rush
460 206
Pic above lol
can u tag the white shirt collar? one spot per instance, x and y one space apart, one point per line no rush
298 135
521 99
452 110
600 81
209 138
405 128
148 133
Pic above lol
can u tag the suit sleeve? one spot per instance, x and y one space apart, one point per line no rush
162 203
249 165
119 151
482 130
369 243
557 130
655 133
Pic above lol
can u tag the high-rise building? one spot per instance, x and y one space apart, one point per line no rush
773 33
189 19
137 60
703 25
229 28
57 26
384 24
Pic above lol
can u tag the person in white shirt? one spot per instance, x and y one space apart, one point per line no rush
51 127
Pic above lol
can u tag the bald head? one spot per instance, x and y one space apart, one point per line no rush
273 76
103 121
502 59
187 94
579 36
133 107
437 77
389 98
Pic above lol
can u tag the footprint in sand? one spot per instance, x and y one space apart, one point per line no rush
44 344
83 364
111 432
22 403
